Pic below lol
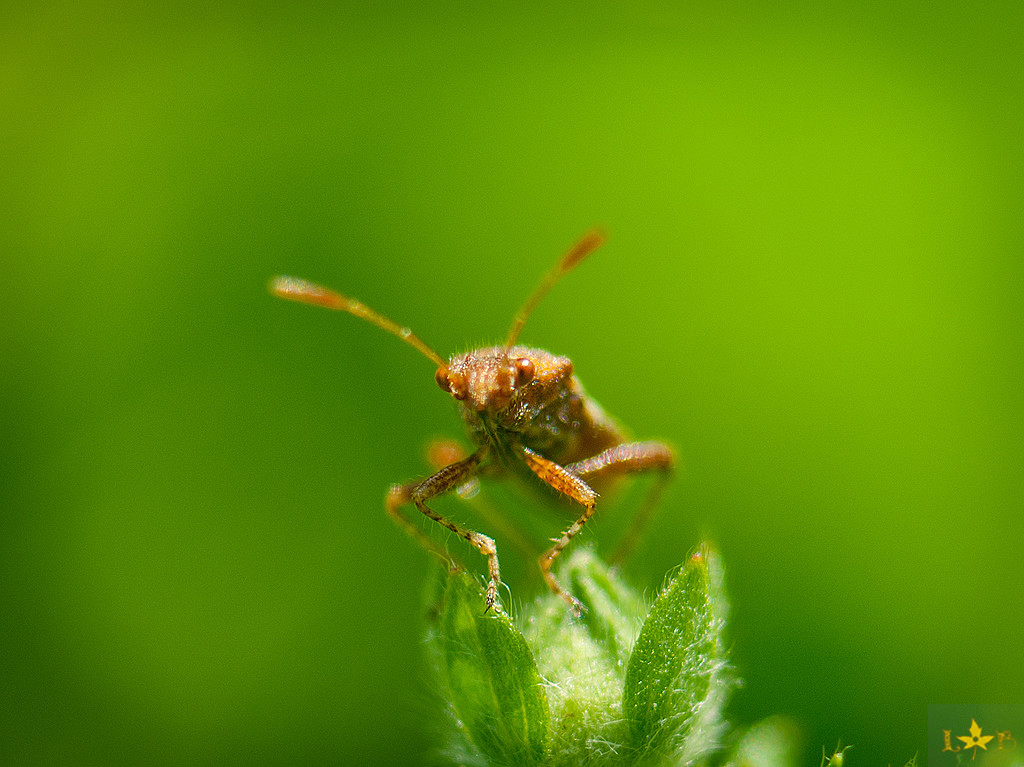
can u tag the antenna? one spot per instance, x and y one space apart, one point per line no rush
590 242
305 292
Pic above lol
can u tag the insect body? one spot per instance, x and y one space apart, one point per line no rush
526 413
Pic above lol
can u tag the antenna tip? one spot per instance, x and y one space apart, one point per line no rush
590 242
305 292
278 284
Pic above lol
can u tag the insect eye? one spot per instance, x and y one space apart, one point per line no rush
441 376
525 370
451 382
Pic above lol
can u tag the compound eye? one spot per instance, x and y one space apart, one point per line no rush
525 370
441 376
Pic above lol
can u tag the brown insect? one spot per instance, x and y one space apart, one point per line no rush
527 414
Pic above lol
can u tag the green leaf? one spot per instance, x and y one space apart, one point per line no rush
583 661
495 689
674 687
604 699
612 609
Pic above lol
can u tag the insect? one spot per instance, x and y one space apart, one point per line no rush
527 415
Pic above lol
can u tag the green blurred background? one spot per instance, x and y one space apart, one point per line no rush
812 289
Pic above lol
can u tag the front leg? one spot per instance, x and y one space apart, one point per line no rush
567 483
440 453
418 493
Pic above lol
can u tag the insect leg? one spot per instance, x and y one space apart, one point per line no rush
567 483
401 495
631 458
440 453
419 493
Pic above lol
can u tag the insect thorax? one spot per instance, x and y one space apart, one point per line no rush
568 426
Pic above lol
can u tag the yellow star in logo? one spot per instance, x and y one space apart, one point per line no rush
976 739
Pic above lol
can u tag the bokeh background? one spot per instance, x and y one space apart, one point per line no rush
812 288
